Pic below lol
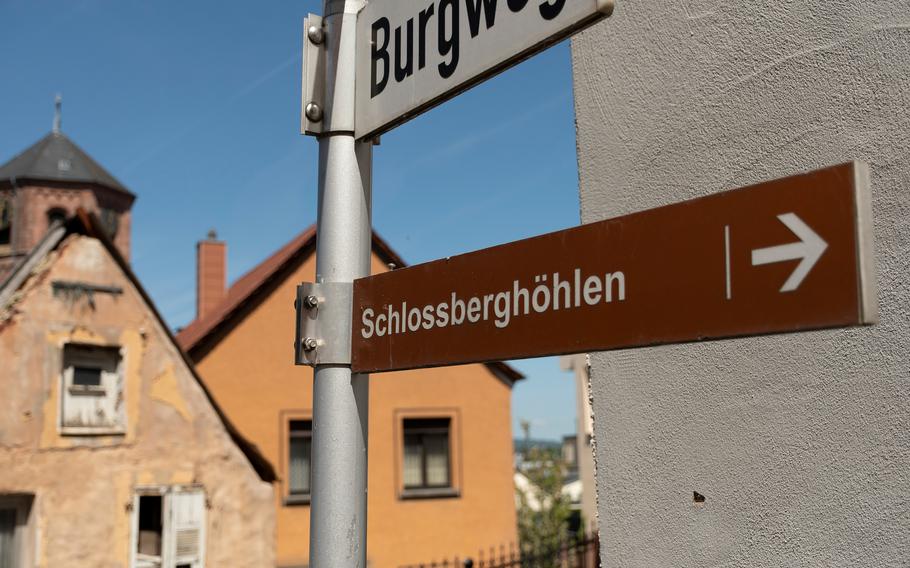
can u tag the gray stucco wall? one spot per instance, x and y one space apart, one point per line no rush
800 443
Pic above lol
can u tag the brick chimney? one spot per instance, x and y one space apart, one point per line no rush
211 274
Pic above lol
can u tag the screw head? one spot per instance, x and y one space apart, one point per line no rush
313 112
309 344
315 34
311 302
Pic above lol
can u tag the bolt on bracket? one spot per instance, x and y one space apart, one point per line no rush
324 323
313 103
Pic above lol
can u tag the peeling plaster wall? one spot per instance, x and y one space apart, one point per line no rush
83 485
800 443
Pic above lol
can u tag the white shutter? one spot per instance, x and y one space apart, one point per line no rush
186 529
81 410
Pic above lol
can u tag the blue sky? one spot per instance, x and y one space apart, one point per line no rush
195 106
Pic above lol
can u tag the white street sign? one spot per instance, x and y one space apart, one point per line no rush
412 56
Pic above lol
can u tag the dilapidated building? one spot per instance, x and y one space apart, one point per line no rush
112 453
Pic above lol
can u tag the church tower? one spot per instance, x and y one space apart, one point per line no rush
49 181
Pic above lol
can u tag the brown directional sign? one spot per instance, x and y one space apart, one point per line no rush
787 255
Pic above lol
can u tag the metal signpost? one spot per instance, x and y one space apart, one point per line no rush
787 255
340 397
348 63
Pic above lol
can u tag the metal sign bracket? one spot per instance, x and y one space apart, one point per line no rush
312 110
324 323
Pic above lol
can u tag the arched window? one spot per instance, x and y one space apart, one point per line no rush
55 214
110 221
6 221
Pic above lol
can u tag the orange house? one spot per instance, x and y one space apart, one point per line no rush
440 442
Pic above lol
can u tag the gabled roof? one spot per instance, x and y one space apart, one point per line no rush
87 224
57 158
202 333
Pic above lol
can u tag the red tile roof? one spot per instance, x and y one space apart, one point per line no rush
195 334
190 336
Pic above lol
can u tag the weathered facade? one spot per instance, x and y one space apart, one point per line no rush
111 452
797 445
440 443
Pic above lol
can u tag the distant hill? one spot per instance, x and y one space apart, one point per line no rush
522 446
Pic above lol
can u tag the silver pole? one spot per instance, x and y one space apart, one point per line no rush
338 514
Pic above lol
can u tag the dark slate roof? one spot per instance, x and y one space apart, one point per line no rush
57 158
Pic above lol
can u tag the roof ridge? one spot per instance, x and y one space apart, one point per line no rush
87 224
245 286
274 256
242 288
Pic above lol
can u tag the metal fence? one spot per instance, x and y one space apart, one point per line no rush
583 552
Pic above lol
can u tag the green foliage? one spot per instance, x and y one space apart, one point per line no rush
543 511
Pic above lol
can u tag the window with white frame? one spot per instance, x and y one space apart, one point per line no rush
168 528
92 390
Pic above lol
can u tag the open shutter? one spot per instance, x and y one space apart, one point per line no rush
187 529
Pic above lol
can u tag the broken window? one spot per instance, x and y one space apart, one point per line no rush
7 538
15 531
86 377
92 386
150 525
169 528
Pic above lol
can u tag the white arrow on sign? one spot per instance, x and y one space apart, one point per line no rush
809 249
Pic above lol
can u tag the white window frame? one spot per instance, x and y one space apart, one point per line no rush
170 526
111 388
